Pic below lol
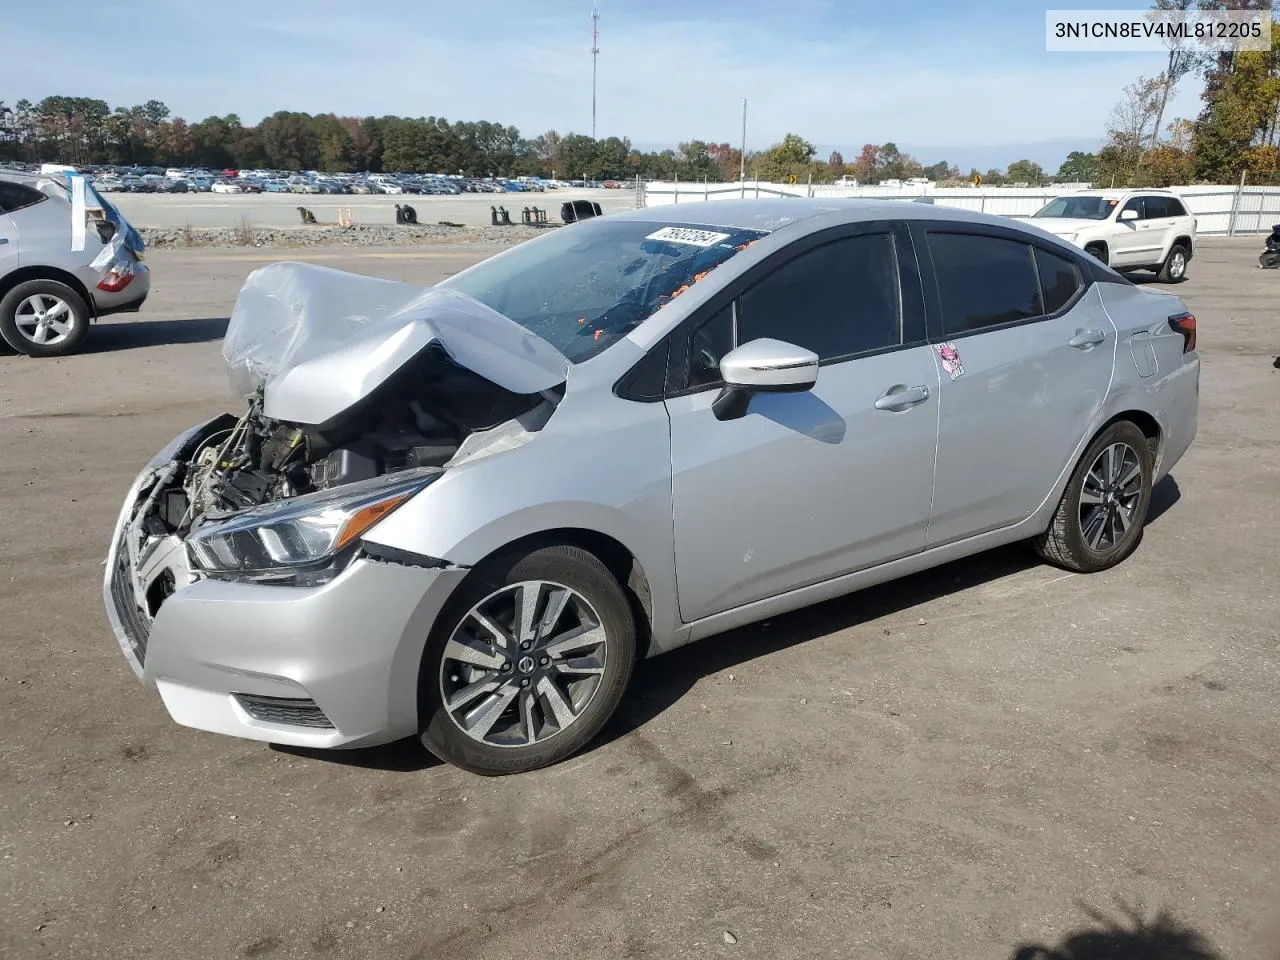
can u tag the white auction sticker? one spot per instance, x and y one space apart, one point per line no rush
697 238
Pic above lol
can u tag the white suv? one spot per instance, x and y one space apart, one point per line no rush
1126 229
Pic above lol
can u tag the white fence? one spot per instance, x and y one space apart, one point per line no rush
1220 210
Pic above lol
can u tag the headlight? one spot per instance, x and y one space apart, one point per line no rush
305 541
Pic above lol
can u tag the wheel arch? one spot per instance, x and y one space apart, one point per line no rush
1145 422
1106 250
1183 241
1142 419
619 559
41 272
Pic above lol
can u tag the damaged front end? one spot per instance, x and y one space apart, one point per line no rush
359 393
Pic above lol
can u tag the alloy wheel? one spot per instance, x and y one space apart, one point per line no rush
523 664
1110 496
45 319
1177 264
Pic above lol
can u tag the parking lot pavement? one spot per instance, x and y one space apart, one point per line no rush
956 765
272 210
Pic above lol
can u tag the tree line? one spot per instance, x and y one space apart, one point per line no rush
86 132
1237 132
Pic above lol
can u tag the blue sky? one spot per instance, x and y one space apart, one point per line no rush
944 82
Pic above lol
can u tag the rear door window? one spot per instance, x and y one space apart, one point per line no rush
984 281
1157 208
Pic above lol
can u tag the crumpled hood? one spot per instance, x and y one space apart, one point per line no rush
317 340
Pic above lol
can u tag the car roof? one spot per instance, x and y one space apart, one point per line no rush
23 177
774 213
1120 191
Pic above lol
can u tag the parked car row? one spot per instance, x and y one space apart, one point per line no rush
138 179
200 180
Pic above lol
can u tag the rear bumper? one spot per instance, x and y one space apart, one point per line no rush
1179 414
128 300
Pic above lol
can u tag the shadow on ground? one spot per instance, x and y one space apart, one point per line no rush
1130 938
659 683
132 334
1163 496
402 756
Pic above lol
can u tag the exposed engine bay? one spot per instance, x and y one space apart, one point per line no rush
420 418
359 392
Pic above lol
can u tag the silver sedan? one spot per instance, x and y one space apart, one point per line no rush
464 512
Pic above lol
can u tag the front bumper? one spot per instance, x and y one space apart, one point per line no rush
328 666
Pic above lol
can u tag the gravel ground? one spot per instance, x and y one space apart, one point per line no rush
959 765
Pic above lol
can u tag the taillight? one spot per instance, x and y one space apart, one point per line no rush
1185 324
115 280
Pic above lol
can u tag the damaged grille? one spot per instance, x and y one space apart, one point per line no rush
294 711
136 626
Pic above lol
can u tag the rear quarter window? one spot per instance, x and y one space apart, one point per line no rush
16 196
1060 279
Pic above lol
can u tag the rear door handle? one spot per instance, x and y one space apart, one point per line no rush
1084 339
900 398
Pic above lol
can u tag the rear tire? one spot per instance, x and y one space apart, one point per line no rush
44 318
1100 518
527 662
1174 268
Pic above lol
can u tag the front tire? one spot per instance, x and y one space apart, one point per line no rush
1097 251
1099 520
44 318
527 662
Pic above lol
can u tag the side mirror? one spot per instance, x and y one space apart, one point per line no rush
762 366
1128 215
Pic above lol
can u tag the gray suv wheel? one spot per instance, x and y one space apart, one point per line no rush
44 318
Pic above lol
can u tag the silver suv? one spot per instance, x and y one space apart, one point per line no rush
56 276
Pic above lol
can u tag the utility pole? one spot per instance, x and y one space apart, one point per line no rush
595 55
742 154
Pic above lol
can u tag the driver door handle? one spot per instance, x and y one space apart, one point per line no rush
900 397
1084 339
